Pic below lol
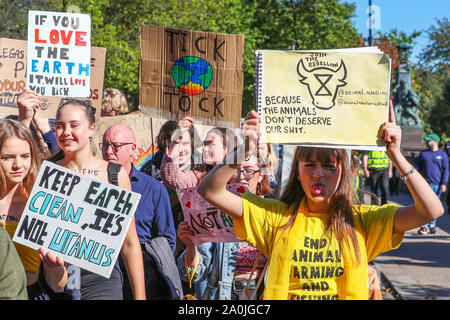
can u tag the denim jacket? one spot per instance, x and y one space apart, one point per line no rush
214 274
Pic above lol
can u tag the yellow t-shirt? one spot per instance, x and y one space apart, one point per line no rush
29 257
306 264
316 264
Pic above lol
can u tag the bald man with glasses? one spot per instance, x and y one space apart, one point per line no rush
153 215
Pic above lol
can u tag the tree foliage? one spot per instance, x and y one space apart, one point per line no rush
433 74
427 79
435 106
387 42
14 16
436 55
309 24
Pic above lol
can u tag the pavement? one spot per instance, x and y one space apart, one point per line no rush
420 268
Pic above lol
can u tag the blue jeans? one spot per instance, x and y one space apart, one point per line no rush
437 189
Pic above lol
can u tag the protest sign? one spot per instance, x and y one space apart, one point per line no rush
81 219
208 223
191 73
329 97
59 53
13 65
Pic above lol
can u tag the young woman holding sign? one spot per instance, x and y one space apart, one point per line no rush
318 240
226 266
75 127
19 166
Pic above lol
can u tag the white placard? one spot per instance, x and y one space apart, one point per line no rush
81 219
59 54
208 223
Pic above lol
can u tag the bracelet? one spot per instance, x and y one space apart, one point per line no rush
405 177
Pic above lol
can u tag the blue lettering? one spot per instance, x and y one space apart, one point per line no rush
37 195
83 69
75 246
73 217
85 250
45 204
46 67
99 257
108 254
56 66
70 65
33 65
57 246
71 235
55 204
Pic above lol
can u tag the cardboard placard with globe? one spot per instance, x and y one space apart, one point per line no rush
191 73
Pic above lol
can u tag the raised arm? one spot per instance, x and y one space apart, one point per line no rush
26 103
427 205
175 178
213 187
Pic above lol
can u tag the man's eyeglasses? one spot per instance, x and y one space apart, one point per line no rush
116 146
248 173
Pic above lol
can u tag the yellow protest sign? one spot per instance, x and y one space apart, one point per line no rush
337 98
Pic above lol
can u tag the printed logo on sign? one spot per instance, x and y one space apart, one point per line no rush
192 75
323 81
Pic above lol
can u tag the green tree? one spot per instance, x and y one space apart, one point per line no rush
440 116
14 16
433 74
436 55
387 42
298 25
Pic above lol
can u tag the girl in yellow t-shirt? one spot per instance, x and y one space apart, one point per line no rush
318 241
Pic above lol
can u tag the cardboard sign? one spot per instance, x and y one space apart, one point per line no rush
13 65
191 73
59 54
81 219
208 223
323 98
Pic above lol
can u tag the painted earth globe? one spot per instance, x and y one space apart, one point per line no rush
192 75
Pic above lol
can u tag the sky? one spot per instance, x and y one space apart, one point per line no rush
403 15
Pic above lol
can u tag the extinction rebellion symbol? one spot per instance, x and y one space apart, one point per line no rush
192 75
323 83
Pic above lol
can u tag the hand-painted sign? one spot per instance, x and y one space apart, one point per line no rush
333 98
81 219
191 73
59 53
207 222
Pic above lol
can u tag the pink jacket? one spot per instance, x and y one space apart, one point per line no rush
174 178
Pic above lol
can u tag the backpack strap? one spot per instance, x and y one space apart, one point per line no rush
113 171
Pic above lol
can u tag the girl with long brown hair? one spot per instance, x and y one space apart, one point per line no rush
318 241
19 165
